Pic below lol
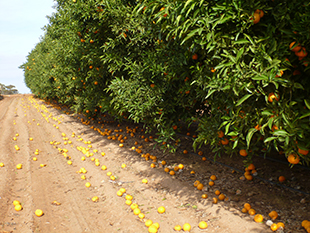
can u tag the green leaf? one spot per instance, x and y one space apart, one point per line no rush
307 103
241 41
266 113
235 143
298 86
269 139
286 120
192 33
233 133
210 93
260 77
249 136
240 53
244 98
280 132
305 115
227 128
250 39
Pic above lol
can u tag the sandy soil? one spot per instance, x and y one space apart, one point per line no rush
39 187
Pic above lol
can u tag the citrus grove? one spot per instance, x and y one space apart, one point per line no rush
238 70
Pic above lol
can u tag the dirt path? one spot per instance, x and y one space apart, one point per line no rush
38 187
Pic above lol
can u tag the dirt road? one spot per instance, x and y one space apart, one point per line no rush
56 187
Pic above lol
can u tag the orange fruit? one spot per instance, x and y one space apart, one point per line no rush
217 192
297 48
202 225
220 134
260 12
161 210
251 167
272 97
163 162
148 222
181 166
18 207
303 152
196 183
257 127
204 158
15 202
133 206
195 56
213 177
243 152
200 186
256 18
204 196
166 169
280 224
301 53
136 211
293 159
172 173
247 206
304 223
185 151
38 212
258 218
222 197
273 215
177 228
274 227
224 141
244 210
141 215
252 212
249 177
215 200
187 227
281 179
128 202
211 183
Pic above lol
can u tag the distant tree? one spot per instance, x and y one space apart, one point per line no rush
8 90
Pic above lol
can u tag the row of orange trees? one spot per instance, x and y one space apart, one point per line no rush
237 68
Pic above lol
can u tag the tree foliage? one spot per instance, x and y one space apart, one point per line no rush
229 65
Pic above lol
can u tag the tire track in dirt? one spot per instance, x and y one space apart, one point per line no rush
18 181
70 218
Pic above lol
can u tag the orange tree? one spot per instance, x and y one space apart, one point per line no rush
240 68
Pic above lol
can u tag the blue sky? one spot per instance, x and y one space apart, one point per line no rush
21 24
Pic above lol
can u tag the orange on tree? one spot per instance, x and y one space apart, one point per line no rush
220 134
256 17
293 158
272 96
224 141
296 48
243 152
303 152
